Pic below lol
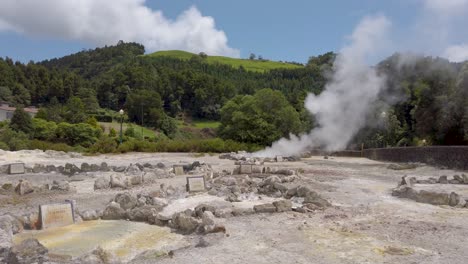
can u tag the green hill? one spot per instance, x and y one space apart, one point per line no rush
250 65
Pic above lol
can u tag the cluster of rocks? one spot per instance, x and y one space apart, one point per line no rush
245 156
29 251
406 189
24 187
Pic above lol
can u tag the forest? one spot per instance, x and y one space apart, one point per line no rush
425 103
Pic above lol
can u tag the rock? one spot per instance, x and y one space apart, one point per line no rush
160 165
95 167
116 181
7 186
132 170
136 179
51 168
223 212
202 243
142 214
432 198
24 187
60 186
291 193
126 200
185 223
405 180
29 251
465 178
242 211
70 169
89 215
316 200
453 181
208 221
161 202
11 224
104 167
443 179
120 168
85 167
113 211
458 178
6 242
264 208
38 168
101 183
303 191
454 199
280 187
270 180
405 192
201 208
283 205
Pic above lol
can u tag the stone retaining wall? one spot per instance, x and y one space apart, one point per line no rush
453 157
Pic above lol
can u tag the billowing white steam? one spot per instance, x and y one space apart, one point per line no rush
103 22
341 109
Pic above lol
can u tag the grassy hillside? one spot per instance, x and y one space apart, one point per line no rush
250 65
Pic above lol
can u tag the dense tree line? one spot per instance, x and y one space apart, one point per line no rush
426 99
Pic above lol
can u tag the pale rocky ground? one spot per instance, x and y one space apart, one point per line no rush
366 224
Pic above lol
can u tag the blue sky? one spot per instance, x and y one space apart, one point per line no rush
277 30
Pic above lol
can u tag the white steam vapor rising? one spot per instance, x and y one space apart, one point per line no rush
103 22
340 110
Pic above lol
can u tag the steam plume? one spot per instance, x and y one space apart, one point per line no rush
341 109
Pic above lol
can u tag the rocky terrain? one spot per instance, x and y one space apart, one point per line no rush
254 210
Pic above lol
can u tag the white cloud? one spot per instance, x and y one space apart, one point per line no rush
456 53
446 7
103 22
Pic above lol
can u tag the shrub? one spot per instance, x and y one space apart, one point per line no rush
112 132
43 145
21 121
105 144
4 146
78 134
43 130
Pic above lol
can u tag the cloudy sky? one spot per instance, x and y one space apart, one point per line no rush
279 30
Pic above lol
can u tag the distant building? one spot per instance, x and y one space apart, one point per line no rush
6 111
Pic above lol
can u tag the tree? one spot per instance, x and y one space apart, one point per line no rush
261 119
75 111
252 56
203 55
21 121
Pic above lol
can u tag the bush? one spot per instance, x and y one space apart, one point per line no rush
14 140
43 145
44 130
78 134
112 132
105 144
4 146
21 121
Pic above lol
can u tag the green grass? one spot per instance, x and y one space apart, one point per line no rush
250 65
138 129
206 124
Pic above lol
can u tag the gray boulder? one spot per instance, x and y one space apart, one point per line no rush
51 168
116 181
142 214
85 167
242 211
11 224
24 187
101 183
104 167
264 208
6 242
126 200
38 168
89 215
120 169
432 198
70 169
458 178
283 205
60 186
113 211
185 223
136 179
29 251
454 199
443 179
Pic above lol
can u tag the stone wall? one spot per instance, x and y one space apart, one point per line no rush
453 157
